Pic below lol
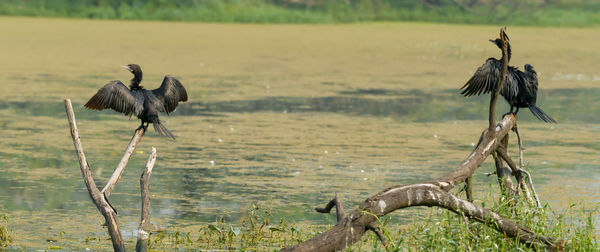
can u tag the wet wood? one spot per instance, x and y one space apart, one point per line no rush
144 229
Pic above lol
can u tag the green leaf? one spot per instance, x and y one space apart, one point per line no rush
214 228
273 229
236 231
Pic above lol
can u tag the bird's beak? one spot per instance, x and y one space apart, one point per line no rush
127 67
493 41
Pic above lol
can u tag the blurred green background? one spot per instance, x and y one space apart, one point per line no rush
576 13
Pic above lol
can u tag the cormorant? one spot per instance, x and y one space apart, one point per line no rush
136 100
519 88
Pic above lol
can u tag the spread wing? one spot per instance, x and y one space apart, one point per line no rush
484 79
514 80
487 77
116 96
169 94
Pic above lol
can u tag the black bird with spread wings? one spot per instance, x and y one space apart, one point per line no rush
519 89
141 102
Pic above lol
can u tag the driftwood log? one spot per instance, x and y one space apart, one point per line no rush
100 197
494 140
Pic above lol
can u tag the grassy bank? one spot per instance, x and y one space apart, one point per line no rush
430 230
515 12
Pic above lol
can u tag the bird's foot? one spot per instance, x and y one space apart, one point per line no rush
142 127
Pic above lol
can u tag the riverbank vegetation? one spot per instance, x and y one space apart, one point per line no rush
513 12
432 230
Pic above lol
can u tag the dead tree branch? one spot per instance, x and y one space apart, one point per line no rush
98 197
112 182
144 229
492 116
339 208
493 140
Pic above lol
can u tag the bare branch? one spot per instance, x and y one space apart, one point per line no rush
114 179
339 208
144 229
97 197
494 97
373 226
354 225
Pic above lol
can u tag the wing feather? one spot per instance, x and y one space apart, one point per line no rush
116 96
169 94
484 79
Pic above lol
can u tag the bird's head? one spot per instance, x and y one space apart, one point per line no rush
133 68
529 68
498 43
136 70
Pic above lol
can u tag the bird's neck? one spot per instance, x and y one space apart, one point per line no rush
135 82
508 51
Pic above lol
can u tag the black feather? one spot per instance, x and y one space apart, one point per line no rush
138 101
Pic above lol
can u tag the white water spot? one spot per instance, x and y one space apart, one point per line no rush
320 167
381 205
472 143
337 153
365 179
220 140
296 173
212 162
293 160
231 129
435 136
326 152
362 171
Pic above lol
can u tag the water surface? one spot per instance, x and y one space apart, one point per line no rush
279 116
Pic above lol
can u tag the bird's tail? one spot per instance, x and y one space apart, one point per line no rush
539 113
161 129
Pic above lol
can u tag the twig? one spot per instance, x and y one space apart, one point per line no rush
521 147
144 229
373 226
518 172
97 197
339 208
469 189
503 172
522 167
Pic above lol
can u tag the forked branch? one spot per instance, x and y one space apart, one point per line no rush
97 197
100 197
